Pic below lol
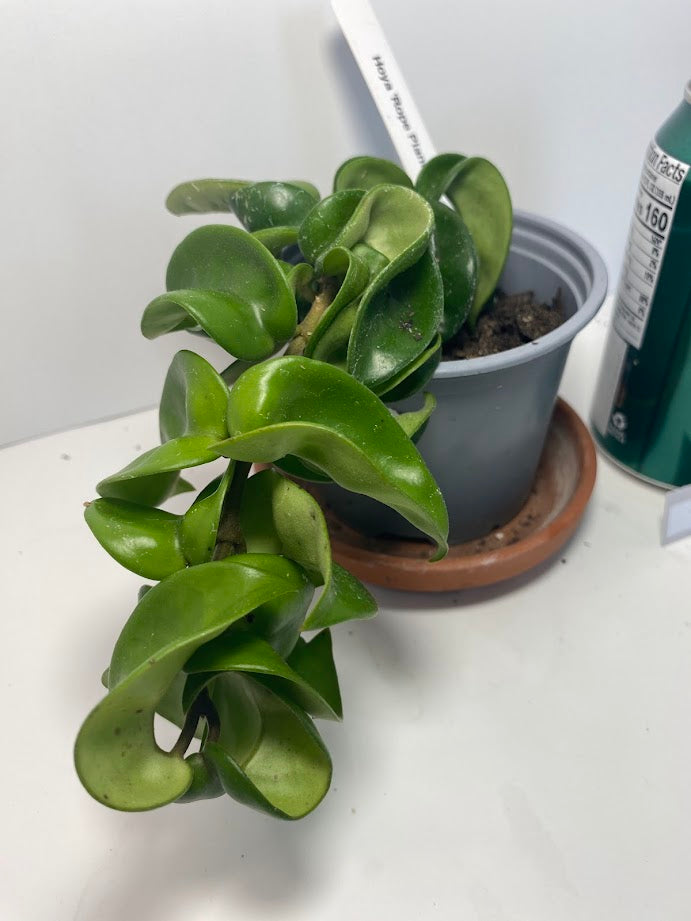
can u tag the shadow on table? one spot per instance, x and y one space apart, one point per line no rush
214 859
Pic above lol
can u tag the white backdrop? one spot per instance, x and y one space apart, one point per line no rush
106 105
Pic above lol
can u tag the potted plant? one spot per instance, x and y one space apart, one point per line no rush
484 440
216 645
360 287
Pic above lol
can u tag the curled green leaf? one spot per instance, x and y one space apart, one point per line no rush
393 220
307 186
294 405
413 378
478 192
201 196
308 677
366 172
278 516
396 323
268 754
325 221
345 264
234 370
261 205
299 277
116 754
143 540
194 399
457 258
192 416
205 783
288 770
276 239
279 621
319 693
414 420
150 478
199 525
331 344
398 314
227 282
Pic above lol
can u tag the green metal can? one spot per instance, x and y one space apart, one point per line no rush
641 413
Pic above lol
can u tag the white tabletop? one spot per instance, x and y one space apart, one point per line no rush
518 753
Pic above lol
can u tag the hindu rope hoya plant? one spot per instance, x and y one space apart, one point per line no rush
357 291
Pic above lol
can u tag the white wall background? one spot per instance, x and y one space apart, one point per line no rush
106 105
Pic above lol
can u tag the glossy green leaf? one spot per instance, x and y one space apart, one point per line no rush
325 221
170 704
389 229
457 259
313 661
192 416
268 752
205 783
234 324
299 277
396 324
279 621
288 771
278 516
483 201
239 717
396 318
116 754
227 282
139 481
202 196
339 262
294 467
374 261
271 204
194 399
199 524
143 540
181 486
393 220
295 405
331 345
276 239
307 186
234 370
413 378
243 651
150 489
262 727
477 190
412 421
438 174
366 172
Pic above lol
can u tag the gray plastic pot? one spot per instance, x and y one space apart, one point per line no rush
484 440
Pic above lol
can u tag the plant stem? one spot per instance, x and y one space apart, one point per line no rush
304 331
202 708
229 539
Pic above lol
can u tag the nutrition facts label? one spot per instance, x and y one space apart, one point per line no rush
658 193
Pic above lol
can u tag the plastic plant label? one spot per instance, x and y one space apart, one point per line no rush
676 520
385 82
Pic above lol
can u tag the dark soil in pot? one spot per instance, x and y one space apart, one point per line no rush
509 321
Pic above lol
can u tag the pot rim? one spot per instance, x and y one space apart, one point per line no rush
583 271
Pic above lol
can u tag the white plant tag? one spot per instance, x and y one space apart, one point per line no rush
676 520
385 82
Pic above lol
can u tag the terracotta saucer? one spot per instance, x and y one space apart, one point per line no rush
562 488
